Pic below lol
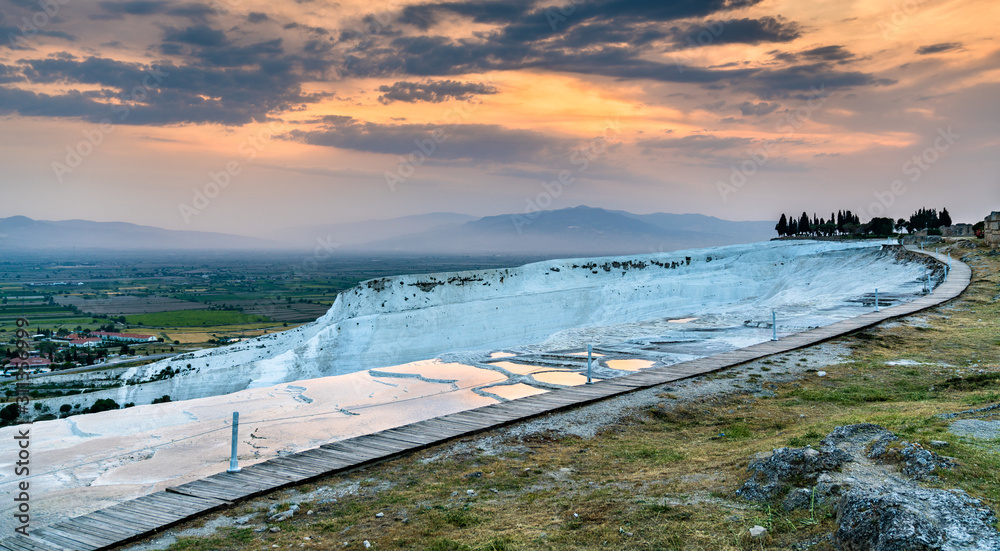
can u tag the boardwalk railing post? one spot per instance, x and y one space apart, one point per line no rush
234 466
774 326
590 363
876 299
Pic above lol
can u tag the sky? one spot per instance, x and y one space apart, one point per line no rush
244 116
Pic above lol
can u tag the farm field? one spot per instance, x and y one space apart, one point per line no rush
194 299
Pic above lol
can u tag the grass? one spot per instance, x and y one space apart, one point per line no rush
664 478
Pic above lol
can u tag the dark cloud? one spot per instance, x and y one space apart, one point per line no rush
748 108
117 10
433 91
828 53
134 7
257 17
198 35
807 80
462 142
169 93
938 48
16 39
738 31
10 74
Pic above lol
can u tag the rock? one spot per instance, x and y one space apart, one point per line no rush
821 373
274 530
799 498
939 444
279 517
902 518
758 532
915 461
470 492
367 544
769 475
379 515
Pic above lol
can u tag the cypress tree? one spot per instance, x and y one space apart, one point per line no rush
782 226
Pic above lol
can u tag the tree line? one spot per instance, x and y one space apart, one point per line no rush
845 222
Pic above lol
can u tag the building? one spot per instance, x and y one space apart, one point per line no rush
127 338
88 342
991 233
958 230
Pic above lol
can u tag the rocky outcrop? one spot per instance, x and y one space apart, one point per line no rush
991 233
868 476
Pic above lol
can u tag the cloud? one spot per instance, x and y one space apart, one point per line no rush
738 31
697 143
433 91
117 10
257 17
828 53
169 93
198 35
466 142
748 108
134 7
938 48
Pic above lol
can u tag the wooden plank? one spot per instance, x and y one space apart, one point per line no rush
174 500
104 536
128 519
21 543
121 532
76 542
84 539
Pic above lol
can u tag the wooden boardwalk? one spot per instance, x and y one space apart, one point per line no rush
148 515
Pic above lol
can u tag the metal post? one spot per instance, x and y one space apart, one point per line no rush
876 299
928 282
590 362
233 464
774 326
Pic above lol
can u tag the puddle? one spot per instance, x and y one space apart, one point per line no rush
584 354
571 378
515 391
681 320
502 355
629 365
522 369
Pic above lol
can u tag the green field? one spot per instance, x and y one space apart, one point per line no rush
194 318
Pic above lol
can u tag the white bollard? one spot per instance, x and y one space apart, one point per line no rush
876 299
234 466
774 326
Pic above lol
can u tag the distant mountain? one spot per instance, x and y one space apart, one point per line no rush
20 233
355 233
579 231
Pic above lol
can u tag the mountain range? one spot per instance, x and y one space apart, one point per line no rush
572 231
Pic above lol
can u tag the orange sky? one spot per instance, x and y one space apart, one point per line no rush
741 110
